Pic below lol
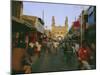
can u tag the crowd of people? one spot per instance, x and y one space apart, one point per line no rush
24 47
85 53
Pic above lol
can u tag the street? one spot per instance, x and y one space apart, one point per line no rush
53 62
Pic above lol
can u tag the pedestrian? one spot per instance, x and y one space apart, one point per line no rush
76 47
92 61
27 40
73 47
69 54
65 48
55 47
30 52
38 48
84 54
48 46
15 39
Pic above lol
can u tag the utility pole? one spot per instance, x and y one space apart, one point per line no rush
81 30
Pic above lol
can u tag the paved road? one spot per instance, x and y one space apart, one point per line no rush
51 62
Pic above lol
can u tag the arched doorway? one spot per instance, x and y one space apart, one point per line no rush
59 38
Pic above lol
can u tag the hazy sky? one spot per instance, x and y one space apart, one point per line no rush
60 11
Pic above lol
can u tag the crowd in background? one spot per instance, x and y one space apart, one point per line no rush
25 46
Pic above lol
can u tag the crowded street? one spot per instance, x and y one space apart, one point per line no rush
51 62
59 41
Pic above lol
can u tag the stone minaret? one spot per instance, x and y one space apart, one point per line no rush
66 23
53 26
53 21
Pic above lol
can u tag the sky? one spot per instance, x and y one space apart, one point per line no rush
60 11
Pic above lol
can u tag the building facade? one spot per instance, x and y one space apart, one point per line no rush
35 21
59 32
37 24
17 9
92 15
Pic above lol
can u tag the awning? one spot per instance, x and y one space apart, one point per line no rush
21 25
39 27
